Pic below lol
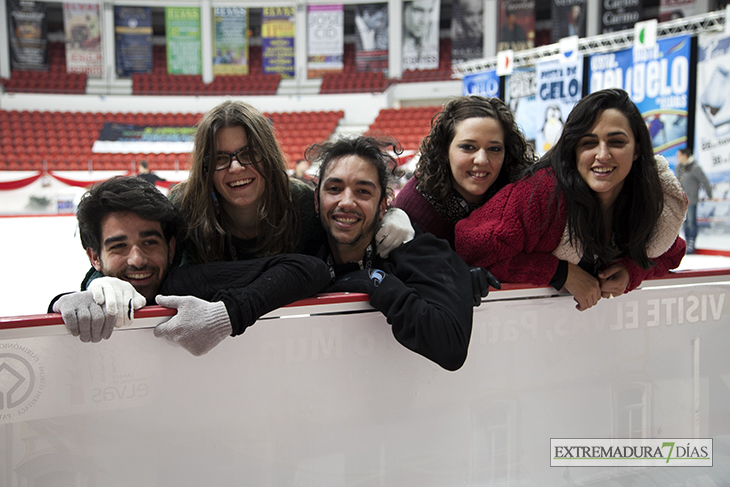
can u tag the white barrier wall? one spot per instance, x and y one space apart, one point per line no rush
333 399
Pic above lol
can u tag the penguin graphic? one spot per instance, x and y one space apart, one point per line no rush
553 126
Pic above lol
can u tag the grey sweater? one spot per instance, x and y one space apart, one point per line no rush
691 176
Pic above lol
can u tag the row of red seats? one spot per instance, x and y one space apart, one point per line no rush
408 125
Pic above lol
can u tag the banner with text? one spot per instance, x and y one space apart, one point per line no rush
658 81
712 119
421 34
371 43
326 39
277 38
119 138
677 9
82 27
230 41
182 35
485 84
559 87
520 96
516 25
467 30
133 40
568 18
28 27
620 15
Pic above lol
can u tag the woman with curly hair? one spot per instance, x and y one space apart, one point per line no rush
597 215
473 150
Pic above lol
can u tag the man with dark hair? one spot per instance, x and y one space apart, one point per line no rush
130 232
143 172
691 177
422 287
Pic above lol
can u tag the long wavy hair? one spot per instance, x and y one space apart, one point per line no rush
433 171
641 200
208 239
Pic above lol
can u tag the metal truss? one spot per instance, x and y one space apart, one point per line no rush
615 41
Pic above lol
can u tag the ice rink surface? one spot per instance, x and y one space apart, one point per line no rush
42 256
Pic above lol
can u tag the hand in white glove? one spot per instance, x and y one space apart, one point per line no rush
84 317
394 231
119 298
198 325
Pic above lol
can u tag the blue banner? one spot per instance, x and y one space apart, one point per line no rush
559 87
485 84
658 82
133 39
520 95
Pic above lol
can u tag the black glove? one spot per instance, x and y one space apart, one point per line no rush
481 279
362 281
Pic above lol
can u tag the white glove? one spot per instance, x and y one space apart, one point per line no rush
394 231
83 317
198 326
118 297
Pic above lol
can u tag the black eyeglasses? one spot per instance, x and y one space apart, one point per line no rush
245 157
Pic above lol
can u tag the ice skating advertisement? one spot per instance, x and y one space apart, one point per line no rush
658 82
520 95
559 87
485 84
712 119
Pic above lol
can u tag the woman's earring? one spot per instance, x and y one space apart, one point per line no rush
216 207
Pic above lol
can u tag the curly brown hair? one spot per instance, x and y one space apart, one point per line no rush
433 171
278 217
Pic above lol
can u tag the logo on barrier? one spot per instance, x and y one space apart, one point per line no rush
22 380
639 452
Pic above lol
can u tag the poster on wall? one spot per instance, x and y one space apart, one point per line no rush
28 28
371 43
569 19
559 87
133 40
616 16
182 35
277 38
326 39
230 41
485 84
658 82
82 29
677 9
467 30
516 25
520 95
421 34
712 119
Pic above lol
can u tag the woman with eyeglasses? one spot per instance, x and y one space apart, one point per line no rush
238 200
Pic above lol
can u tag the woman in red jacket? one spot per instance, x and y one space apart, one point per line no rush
598 214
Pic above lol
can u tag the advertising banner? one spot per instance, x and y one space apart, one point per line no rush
569 19
677 9
133 39
621 15
28 28
182 34
421 34
712 120
371 43
82 27
559 87
467 30
277 37
520 96
326 39
119 138
230 42
658 82
516 25
485 84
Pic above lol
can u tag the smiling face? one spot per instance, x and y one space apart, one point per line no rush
240 187
350 206
476 154
135 250
606 153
